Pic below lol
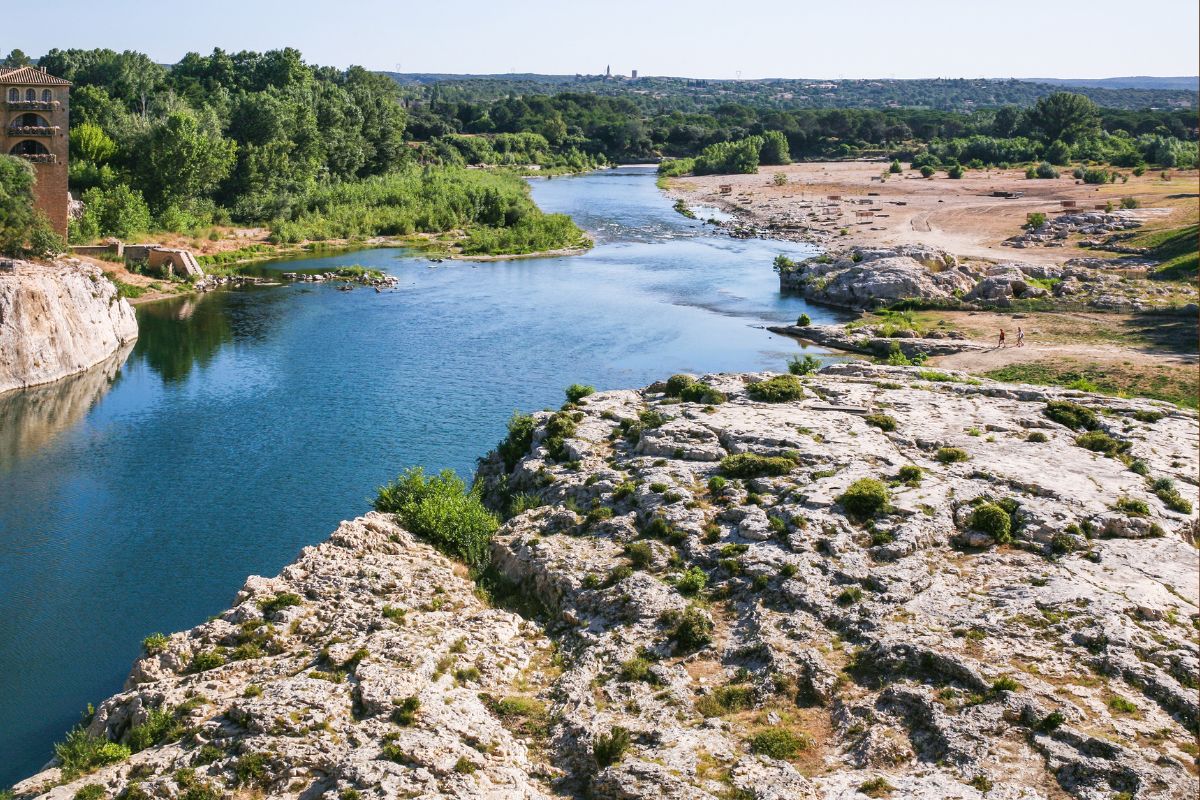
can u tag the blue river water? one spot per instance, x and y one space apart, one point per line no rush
246 423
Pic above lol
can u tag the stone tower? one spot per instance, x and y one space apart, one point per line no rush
36 108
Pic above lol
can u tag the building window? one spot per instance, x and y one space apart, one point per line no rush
30 95
46 95
14 95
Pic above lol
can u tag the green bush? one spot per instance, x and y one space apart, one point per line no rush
442 511
154 644
251 771
881 421
677 383
1165 489
803 366
576 392
205 660
1036 437
1130 202
80 753
993 520
1133 507
161 725
951 455
911 474
609 748
404 711
279 602
751 465
1046 171
692 582
519 440
701 393
955 172
928 171
1035 220
780 743
1101 442
716 484
895 167
690 629
803 321
1073 415
726 700
779 389
876 787
864 498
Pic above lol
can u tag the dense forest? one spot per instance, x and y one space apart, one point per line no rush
318 153
313 151
688 95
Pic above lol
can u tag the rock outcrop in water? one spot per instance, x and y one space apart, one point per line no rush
887 582
56 320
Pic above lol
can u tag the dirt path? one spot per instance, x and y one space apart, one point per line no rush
1094 354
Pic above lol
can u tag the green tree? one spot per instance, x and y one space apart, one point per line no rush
774 149
115 211
1065 116
1059 152
16 204
16 58
180 162
90 143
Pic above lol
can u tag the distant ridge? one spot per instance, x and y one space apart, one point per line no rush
1185 83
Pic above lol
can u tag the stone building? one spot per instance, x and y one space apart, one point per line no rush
36 107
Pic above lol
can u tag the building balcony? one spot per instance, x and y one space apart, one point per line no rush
38 158
31 105
32 130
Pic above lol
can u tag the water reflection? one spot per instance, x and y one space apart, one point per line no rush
32 418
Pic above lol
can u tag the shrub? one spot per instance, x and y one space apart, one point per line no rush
701 393
881 421
692 582
876 787
677 383
864 498
1036 437
278 602
80 753
640 554
993 520
951 455
849 596
1096 175
780 179
1073 415
576 392
803 366
725 700
1035 220
716 484
895 167
251 770
928 171
609 748
1130 202
205 660
465 766
90 791
636 669
1165 489
1122 705
161 725
955 172
154 644
751 465
779 389
803 321
779 742
1133 507
442 511
404 711
911 474
690 629
1005 683
1101 442
1045 171
519 440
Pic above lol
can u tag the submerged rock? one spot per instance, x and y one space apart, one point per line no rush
1003 615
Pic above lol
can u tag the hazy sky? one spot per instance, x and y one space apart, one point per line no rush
701 38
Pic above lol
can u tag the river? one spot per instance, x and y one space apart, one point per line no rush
246 423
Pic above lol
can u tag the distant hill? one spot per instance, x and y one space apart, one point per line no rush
698 94
1184 83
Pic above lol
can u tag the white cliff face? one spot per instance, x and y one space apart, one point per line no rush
687 638
56 320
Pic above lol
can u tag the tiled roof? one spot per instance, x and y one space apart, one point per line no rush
31 76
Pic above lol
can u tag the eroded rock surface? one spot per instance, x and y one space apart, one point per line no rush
706 632
56 320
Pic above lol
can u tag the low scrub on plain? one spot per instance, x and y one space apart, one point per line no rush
752 465
779 389
441 510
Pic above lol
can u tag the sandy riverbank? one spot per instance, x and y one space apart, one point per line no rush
960 216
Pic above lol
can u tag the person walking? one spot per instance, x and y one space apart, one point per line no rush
1020 337
1001 344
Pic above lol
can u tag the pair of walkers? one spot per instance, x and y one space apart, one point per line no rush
1020 338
